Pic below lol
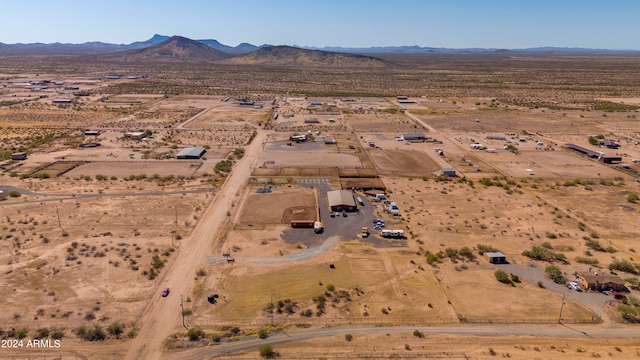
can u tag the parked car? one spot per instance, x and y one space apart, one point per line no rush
574 286
332 214
344 213
165 292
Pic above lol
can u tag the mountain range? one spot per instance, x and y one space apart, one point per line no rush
95 48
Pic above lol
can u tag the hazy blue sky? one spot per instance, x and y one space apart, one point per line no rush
611 24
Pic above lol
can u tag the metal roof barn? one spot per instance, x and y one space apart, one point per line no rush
413 136
341 200
191 153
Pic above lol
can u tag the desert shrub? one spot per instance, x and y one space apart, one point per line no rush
94 333
216 338
263 333
115 329
348 337
626 266
21 333
595 245
41 333
485 249
223 166
502 276
238 153
586 260
418 333
157 263
633 198
56 334
267 352
14 193
466 253
195 333
515 278
432 258
543 254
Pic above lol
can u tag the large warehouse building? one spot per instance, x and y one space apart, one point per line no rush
414 136
341 200
191 153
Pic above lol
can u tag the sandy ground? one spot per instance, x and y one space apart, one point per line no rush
64 283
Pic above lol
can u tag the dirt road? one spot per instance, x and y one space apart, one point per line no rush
162 316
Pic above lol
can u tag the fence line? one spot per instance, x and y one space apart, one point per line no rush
385 321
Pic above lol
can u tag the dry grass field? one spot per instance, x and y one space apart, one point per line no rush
93 246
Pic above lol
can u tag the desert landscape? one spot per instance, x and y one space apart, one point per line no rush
510 177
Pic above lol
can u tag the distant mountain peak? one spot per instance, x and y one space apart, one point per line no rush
284 55
173 49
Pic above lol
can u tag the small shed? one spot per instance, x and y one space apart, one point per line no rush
451 172
19 156
611 159
609 144
496 258
302 223
135 135
496 137
191 153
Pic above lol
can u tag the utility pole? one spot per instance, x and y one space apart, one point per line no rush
561 307
182 312
272 306
59 223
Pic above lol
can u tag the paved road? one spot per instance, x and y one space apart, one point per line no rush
555 331
162 315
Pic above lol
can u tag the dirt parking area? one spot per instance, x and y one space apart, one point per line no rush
305 154
280 206
126 168
403 162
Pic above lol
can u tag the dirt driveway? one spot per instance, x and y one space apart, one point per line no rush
534 273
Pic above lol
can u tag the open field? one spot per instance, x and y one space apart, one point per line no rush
98 243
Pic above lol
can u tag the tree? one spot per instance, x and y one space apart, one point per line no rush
555 274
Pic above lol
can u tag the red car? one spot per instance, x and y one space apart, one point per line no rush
165 292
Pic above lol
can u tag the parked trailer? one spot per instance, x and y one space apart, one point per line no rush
302 223
392 233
